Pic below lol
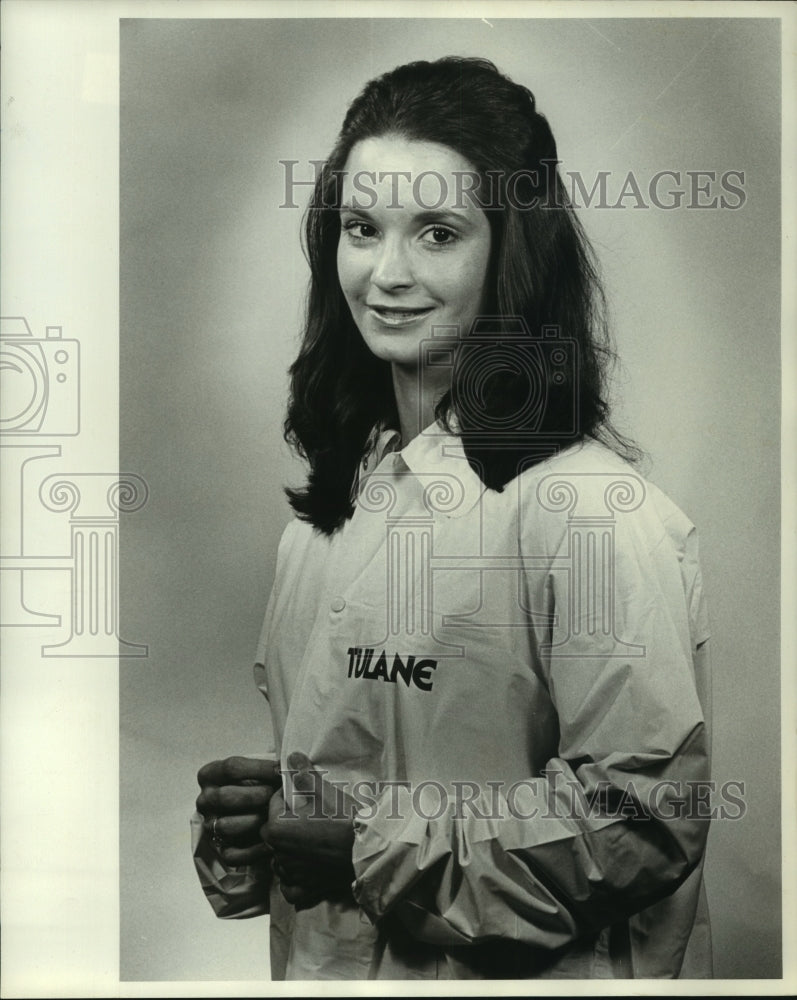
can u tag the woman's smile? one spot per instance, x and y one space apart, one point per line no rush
397 316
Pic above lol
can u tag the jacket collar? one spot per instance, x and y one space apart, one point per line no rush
434 456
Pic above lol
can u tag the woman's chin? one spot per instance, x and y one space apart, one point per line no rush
398 347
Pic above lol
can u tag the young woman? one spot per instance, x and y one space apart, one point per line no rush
484 650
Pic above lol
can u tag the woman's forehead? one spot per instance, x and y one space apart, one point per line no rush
392 171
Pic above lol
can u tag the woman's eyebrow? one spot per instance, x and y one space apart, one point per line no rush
429 215
443 215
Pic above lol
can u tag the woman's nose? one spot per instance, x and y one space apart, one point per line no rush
392 267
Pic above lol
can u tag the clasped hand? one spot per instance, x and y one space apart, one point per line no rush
308 841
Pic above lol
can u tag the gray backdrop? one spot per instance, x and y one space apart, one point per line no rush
212 280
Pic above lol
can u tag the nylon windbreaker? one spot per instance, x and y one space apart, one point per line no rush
514 688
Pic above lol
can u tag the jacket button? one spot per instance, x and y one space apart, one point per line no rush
338 604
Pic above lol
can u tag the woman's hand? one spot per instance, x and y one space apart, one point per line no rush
234 803
311 839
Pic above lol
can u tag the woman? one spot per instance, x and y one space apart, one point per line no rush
484 651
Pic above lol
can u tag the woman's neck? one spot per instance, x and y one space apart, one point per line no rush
416 398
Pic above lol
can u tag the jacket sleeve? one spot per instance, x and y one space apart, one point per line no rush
613 823
236 892
232 892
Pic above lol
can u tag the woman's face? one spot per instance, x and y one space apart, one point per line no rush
404 266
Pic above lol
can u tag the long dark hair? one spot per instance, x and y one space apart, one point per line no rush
547 321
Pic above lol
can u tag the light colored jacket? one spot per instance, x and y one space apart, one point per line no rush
514 686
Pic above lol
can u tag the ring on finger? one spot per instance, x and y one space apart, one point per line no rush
215 836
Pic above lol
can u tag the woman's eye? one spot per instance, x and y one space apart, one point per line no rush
360 230
439 236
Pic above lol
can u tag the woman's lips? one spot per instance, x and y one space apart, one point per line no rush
398 315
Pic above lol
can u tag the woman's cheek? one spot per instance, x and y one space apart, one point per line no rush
461 284
352 270
342 266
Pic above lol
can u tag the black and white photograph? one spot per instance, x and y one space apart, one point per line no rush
398 537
